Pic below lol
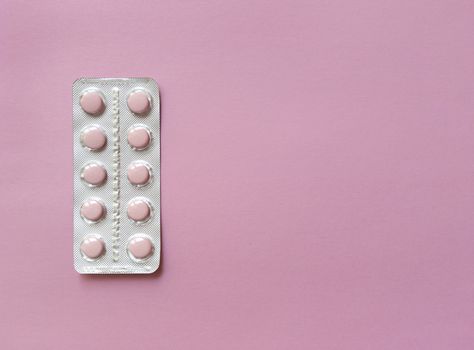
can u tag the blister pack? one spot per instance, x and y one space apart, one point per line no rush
116 136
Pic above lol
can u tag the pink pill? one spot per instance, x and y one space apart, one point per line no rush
92 247
139 137
94 174
139 102
92 102
140 247
139 210
139 173
92 210
93 137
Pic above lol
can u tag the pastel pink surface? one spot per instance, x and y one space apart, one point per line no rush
317 174
140 247
138 210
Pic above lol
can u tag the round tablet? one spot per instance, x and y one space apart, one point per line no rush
94 174
140 247
139 210
139 137
93 137
92 102
139 173
92 210
139 101
92 247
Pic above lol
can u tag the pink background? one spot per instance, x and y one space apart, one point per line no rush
317 174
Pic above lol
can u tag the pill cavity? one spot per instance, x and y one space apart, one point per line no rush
93 137
139 102
92 102
92 210
139 137
92 247
139 173
140 247
94 174
139 210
